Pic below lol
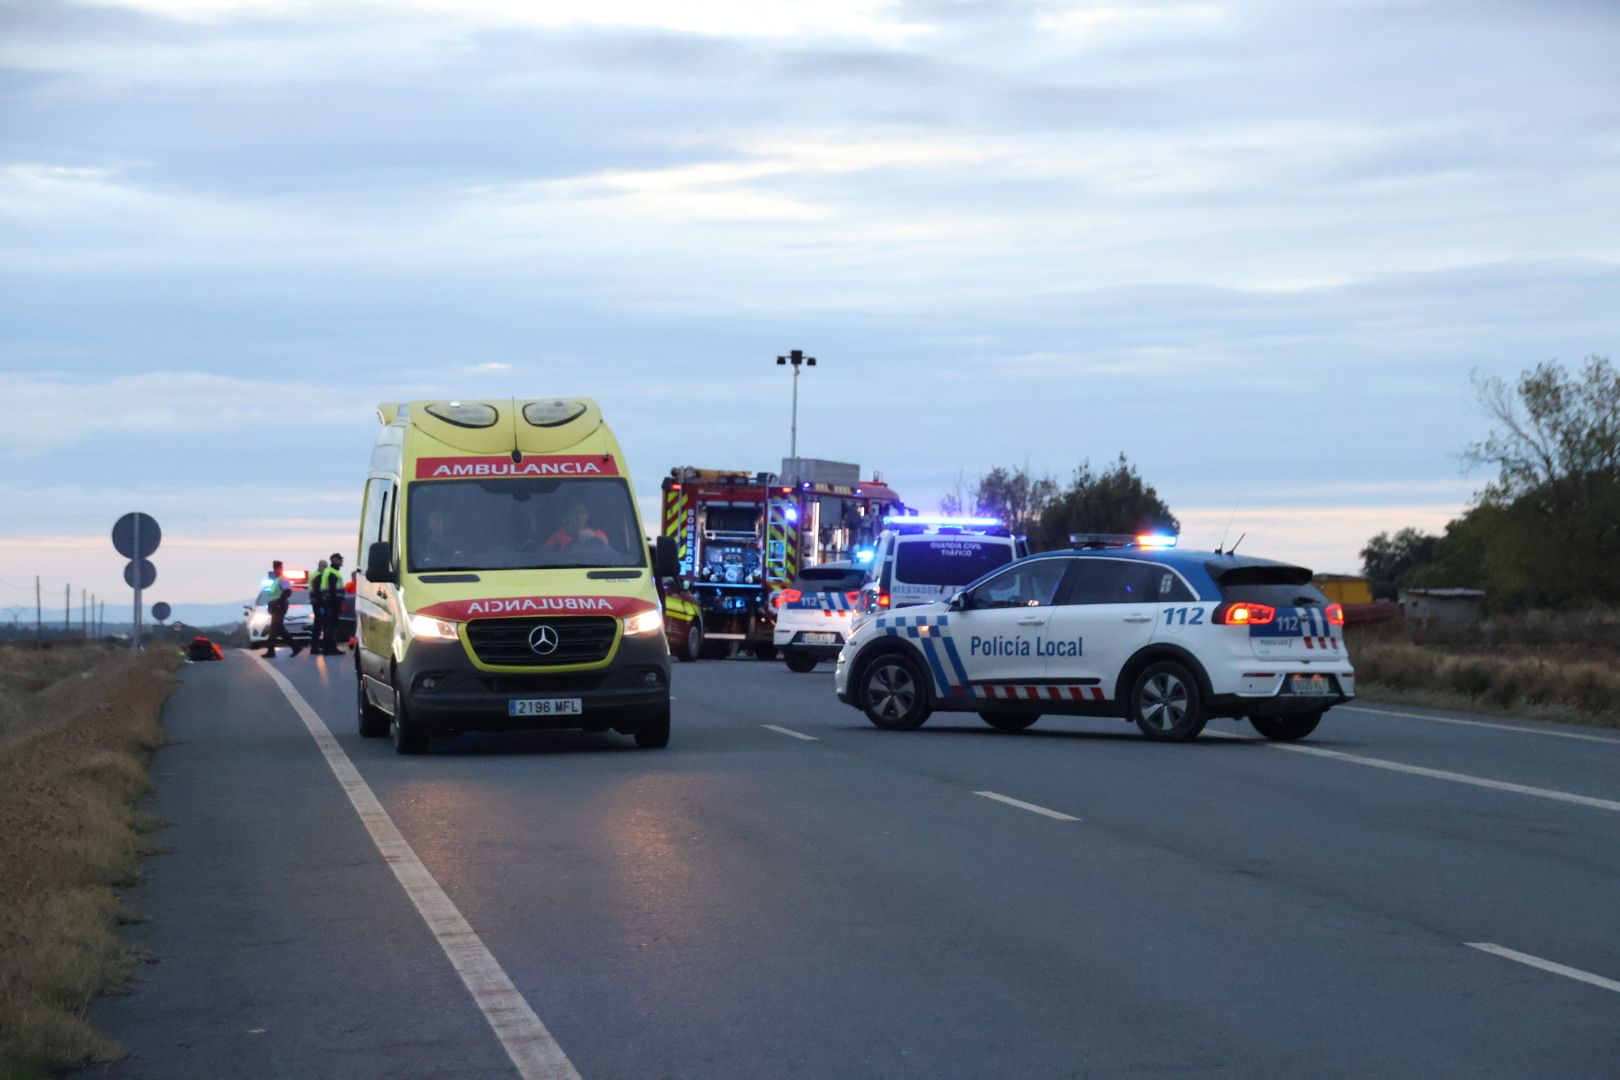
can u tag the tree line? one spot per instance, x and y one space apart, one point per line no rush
1545 532
1113 499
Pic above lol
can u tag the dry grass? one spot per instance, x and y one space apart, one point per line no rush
1527 680
77 726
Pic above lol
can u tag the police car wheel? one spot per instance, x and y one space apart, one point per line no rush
894 694
798 661
409 738
1286 728
1166 704
766 651
1009 721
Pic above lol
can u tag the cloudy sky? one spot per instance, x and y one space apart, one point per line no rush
1256 246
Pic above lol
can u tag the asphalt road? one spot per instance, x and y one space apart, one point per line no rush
831 900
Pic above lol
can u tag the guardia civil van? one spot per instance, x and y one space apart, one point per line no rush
505 579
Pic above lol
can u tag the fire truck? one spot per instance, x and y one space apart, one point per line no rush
742 536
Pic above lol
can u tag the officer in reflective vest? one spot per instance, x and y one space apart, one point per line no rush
326 592
278 596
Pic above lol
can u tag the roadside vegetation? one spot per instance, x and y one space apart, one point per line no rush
1552 665
77 727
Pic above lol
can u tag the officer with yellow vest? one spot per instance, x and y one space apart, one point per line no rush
279 596
326 594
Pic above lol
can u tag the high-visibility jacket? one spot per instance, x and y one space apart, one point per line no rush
328 580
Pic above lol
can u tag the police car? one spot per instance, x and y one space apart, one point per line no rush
923 560
300 617
813 614
1117 626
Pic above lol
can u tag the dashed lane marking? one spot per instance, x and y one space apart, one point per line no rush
525 1039
1022 805
1515 728
1434 774
1545 965
790 733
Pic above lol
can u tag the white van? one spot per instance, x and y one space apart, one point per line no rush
923 560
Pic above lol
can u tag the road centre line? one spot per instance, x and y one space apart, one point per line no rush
525 1039
1545 965
1022 805
790 733
1441 774
1481 723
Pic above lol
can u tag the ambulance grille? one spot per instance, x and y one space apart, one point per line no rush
583 639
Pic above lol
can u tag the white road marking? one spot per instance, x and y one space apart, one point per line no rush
1454 777
1545 965
790 733
1022 805
526 1040
1481 723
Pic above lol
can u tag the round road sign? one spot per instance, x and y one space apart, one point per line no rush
148 572
160 610
123 536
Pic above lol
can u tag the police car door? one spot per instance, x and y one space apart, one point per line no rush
1000 631
1108 612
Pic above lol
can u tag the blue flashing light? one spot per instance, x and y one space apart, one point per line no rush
864 555
1155 540
791 513
925 519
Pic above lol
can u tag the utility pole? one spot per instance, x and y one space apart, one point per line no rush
798 360
67 609
39 616
84 614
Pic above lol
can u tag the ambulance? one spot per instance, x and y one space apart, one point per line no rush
505 579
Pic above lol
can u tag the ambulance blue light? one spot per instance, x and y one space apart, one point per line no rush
925 519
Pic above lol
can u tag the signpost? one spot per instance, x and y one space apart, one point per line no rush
136 536
160 611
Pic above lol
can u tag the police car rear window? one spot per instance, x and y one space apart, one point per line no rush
948 560
1278 586
828 581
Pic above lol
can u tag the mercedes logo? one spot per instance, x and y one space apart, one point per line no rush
543 640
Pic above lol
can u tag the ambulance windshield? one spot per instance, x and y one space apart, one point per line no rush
526 523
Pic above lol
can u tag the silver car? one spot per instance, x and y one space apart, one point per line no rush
299 621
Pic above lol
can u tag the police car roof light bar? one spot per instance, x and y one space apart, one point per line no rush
1120 540
940 519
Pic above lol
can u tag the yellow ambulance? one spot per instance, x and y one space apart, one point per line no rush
505 580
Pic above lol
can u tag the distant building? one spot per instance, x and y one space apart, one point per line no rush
1443 607
1344 588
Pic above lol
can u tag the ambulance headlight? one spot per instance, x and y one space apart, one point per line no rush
643 622
427 628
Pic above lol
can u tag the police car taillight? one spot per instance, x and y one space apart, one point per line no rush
1244 614
786 596
852 597
1335 614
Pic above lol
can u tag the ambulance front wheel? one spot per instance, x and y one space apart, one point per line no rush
1166 703
654 734
894 694
1286 728
373 721
409 736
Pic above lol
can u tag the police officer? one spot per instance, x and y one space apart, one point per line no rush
280 595
326 592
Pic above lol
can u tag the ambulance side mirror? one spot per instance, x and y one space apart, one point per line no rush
380 564
665 560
